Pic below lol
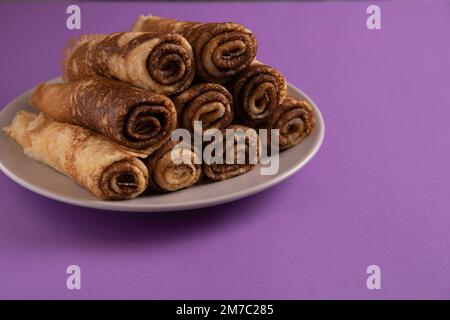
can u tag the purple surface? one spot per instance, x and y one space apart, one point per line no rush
378 192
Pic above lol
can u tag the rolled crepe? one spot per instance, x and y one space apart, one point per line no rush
209 103
161 63
168 175
101 166
257 91
135 118
221 171
295 120
221 50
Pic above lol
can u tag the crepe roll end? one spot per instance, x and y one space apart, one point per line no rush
257 93
209 103
124 180
173 167
223 171
295 120
148 125
227 49
170 64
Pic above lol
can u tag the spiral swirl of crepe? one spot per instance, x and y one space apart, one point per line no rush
257 91
223 171
161 63
104 168
295 120
221 50
135 118
166 175
209 103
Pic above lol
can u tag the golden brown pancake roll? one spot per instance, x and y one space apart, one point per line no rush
295 120
207 102
221 50
135 118
104 168
221 171
161 63
168 175
257 91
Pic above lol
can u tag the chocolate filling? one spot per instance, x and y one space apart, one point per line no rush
209 103
126 179
259 97
169 63
295 121
145 123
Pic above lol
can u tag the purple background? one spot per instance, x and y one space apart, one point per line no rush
378 192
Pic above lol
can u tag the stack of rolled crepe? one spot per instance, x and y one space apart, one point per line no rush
109 125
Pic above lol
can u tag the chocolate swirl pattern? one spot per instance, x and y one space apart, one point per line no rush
168 175
295 120
221 50
222 171
257 92
135 118
162 63
209 103
101 166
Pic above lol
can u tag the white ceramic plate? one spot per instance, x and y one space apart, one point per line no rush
47 182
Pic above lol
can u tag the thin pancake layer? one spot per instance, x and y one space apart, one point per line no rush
101 166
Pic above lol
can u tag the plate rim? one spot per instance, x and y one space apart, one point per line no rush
122 206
